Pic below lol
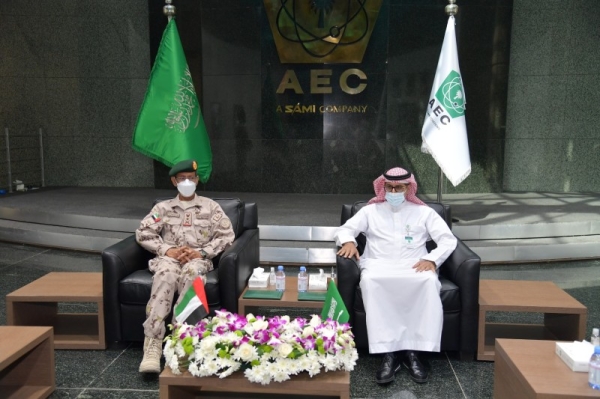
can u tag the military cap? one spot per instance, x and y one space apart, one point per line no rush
189 165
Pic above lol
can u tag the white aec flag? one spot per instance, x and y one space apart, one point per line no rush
445 129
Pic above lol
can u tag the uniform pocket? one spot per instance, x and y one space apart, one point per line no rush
202 229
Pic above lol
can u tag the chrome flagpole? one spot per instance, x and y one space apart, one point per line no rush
169 9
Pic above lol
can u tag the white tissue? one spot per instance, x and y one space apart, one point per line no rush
258 279
258 271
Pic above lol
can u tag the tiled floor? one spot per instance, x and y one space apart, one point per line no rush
113 373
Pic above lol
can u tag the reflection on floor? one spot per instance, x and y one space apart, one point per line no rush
113 373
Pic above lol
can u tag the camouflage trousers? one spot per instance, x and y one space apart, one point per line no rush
169 277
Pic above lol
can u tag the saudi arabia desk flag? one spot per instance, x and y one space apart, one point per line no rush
334 307
193 306
170 127
444 129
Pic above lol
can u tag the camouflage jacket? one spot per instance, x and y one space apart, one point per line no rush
199 224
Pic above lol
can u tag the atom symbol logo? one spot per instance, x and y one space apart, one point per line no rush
322 26
453 97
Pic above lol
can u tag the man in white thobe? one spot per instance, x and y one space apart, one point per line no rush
399 280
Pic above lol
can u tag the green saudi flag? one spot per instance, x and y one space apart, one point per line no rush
334 307
170 127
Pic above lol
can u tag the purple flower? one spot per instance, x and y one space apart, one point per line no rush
328 343
308 343
261 336
276 322
237 323
274 341
301 322
221 330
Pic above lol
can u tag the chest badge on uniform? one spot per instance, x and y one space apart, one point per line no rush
187 219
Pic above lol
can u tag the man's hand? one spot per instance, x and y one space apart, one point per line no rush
424 265
187 254
349 250
173 252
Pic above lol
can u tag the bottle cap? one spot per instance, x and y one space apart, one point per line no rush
272 268
279 267
302 268
595 331
597 350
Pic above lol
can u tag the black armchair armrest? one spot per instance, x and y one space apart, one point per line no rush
119 260
348 276
462 268
235 267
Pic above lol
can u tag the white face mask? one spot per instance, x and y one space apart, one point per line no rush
186 188
394 199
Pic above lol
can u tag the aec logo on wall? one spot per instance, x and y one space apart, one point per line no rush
322 32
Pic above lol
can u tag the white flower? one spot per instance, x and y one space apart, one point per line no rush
194 369
308 330
169 350
174 365
329 362
315 321
260 325
285 318
250 317
249 329
246 353
284 349
328 332
280 376
179 350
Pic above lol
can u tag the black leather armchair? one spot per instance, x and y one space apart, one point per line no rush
127 282
459 276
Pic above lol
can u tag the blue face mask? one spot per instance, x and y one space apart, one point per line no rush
395 199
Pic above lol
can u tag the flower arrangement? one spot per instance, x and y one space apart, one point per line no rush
265 349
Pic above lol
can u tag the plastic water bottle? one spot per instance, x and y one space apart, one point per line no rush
272 277
595 339
280 279
302 280
594 376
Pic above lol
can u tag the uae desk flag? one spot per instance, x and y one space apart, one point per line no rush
170 127
334 307
444 129
193 306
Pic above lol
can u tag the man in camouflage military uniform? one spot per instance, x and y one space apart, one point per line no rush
185 233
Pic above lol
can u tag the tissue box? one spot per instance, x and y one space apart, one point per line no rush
576 355
317 282
259 280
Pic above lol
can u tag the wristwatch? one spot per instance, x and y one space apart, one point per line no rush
203 253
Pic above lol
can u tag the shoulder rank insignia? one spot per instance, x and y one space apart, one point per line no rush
156 217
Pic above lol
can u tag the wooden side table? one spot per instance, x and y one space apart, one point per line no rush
26 362
186 386
564 317
36 304
531 369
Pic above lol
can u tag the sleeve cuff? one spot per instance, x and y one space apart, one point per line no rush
437 266
163 248
343 240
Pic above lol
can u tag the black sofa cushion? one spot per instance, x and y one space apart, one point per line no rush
135 289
